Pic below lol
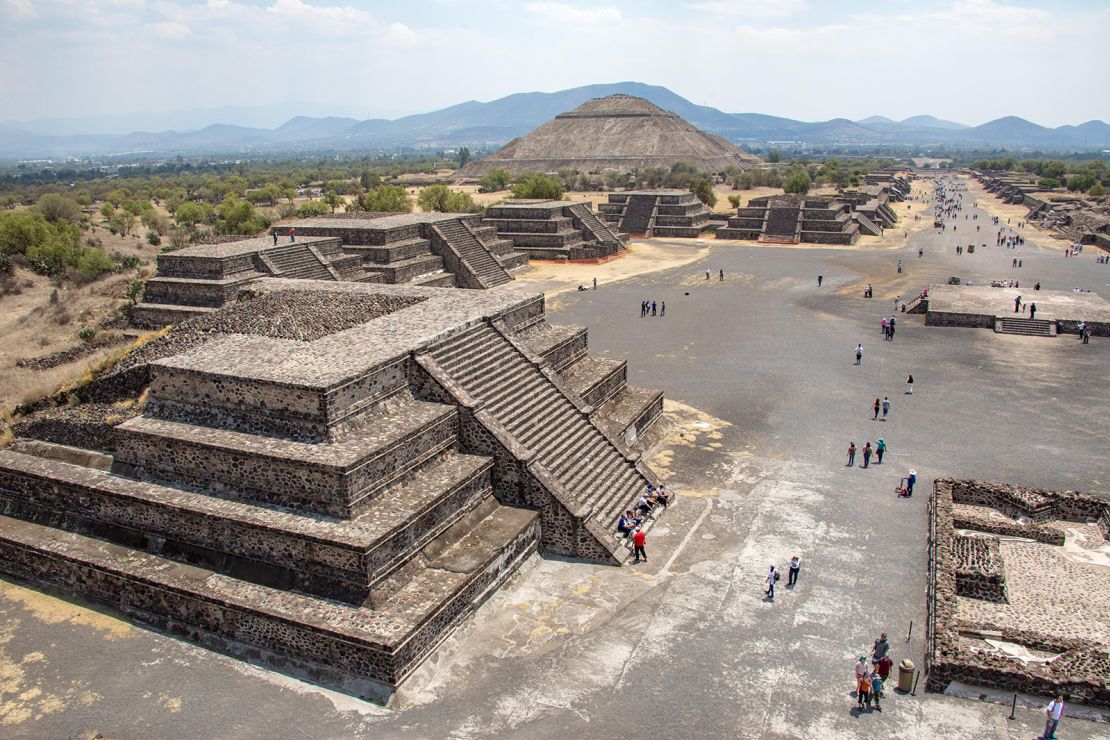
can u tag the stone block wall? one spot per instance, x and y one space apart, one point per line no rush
979 568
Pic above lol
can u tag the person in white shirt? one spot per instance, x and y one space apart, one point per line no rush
1053 713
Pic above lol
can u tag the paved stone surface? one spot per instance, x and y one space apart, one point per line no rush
1051 304
769 398
1063 591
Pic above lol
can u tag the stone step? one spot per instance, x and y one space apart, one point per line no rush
438 279
559 346
629 413
1028 327
595 380
511 260
406 270
390 251
337 479
477 257
363 650
336 558
156 315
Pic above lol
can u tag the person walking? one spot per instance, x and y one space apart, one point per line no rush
662 309
1053 713
880 648
886 407
851 454
1032 310
1086 335
911 480
859 354
909 385
820 278
878 405
772 576
795 566
722 275
595 283
638 540
653 308
886 328
1017 304
876 689
707 273
866 455
292 234
880 448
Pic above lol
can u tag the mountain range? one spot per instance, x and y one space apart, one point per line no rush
486 125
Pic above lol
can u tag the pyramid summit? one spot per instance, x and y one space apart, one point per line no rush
617 132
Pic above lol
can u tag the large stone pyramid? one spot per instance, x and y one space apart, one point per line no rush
618 132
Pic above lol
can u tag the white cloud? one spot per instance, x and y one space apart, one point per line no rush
23 9
753 8
170 30
564 13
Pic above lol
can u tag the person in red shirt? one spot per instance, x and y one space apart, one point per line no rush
883 666
638 540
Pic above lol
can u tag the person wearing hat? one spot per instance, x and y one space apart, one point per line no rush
910 481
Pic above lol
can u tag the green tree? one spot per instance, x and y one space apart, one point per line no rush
444 200
464 156
734 201
1048 183
1096 190
797 181
190 214
703 188
22 230
122 222
1081 183
332 199
495 181
535 185
56 207
237 216
774 156
369 180
386 199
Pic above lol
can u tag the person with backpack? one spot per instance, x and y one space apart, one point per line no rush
876 689
863 690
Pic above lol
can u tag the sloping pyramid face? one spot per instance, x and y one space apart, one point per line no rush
618 132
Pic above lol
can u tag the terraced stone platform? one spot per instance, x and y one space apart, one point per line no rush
661 213
555 230
332 482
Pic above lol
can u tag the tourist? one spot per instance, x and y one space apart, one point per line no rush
880 648
851 454
886 407
880 448
638 541
820 278
883 666
595 283
878 405
899 267
772 576
707 273
866 454
863 690
861 672
795 566
1032 310
883 324
870 292
644 506
1017 304
627 523
1085 335
292 236
663 309
911 480
859 354
1053 713
653 308
909 385
722 274
274 234
876 689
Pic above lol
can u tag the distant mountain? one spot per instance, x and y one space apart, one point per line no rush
492 124
932 122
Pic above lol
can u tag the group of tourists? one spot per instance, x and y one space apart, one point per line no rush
870 680
633 523
651 308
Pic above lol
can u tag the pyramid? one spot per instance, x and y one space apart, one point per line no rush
618 132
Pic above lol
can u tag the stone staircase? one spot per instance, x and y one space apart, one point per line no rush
783 225
1027 327
592 225
866 225
482 265
297 261
602 479
638 214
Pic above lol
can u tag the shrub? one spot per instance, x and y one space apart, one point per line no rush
734 201
797 182
386 198
86 333
442 199
133 290
1096 190
494 182
701 187
312 208
92 263
535 185
5 264
126 261
153 239
55 207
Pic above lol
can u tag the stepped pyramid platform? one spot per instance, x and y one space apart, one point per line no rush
555 230
334 479
429 249
616 132
673 213
985 307
790 219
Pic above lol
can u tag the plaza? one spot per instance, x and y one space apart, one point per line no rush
763 399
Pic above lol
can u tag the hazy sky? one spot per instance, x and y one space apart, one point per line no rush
968 60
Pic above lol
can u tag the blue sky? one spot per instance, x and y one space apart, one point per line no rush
968 60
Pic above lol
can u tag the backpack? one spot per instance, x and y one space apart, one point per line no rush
776 575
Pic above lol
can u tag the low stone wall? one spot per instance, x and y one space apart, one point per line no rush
979 572
1081 668
970 320
1096 328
